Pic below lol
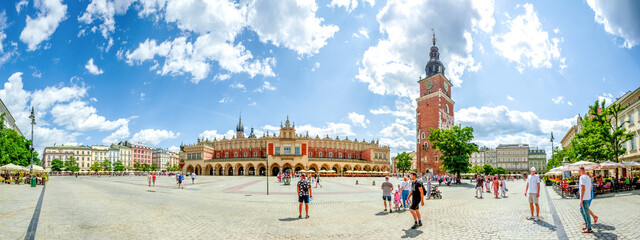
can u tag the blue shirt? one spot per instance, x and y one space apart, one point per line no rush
180 177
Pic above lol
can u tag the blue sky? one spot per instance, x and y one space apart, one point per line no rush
163 72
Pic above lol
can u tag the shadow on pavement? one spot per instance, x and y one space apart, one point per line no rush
411 233
546 224
604 235
601 226
289 219
382 213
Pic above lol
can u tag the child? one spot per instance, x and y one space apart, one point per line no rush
396 199
503 187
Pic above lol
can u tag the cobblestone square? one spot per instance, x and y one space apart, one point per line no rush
237 208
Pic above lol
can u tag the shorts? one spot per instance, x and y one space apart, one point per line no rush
415 204
533 198
386 198
304 199
179 181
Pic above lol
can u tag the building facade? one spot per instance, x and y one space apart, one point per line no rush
513 157
174 159
538 159
575 129
121 152
161 158
9 122
414 164
434 110
85 156
630 120
99 153
477 158
56 152
286 152
141 154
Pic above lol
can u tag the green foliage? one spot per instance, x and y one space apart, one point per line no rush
71 165
173 168
137 166
558 156
154 167
145 167
487 169
106 165
403 162
15 148
477 169
499 171
617 135
455 146
57 165
117 166
96 166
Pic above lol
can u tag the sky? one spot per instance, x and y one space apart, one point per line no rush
166 72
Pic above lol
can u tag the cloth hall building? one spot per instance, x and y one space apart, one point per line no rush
286 152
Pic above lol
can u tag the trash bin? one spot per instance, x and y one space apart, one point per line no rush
33 182
287 181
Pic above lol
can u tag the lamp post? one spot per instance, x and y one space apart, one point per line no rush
33 122
266 173
552 145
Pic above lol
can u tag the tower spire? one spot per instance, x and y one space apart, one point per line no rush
434 36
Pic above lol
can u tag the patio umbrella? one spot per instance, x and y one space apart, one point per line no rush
576 166
556 170
632 165
610 165
11 167
36 168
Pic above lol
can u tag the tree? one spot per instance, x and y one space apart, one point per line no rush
499 170
106 165
57 165
590 143
617 136
71 165
455 146
96 166
477 169
487 169
137 166
117 166
403 162
154 167
558 156
14 148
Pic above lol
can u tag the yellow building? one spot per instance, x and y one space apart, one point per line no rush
630 120
286 152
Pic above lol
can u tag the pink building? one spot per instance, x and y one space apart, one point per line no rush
141 154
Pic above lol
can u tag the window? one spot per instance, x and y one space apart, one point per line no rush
633 143
630 118
297 150
310 154
447 108
320 154
358 156
235 154
255 154
287 149
245 154
226 155
277 150
376 155
217 155
330 154
349 155
339 155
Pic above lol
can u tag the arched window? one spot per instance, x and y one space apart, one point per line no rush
422 135
447 108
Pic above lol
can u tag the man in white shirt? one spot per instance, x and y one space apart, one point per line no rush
533 189
585 197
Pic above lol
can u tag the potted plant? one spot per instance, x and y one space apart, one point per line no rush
12 181
1 180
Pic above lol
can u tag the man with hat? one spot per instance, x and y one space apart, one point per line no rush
533 189
304 193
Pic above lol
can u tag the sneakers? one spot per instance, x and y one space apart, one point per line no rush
536 219
390 211
307 216
420 224
300 217
530 218
415 225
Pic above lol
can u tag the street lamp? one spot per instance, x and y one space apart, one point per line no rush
33 122
552 145
266 173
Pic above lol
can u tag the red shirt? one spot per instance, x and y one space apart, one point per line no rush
154 177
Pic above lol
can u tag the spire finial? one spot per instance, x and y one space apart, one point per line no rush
434 36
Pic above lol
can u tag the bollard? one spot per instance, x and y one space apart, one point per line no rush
356 182
374 183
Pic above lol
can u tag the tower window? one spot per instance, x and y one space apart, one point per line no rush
447 108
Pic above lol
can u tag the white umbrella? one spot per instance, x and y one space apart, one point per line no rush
632 165
36 168
556 170
610 165
576 166
332 171
11 167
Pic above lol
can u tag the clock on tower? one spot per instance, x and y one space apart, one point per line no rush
434 111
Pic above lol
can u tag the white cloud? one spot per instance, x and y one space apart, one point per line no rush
397 130
237 85
221 77
3 26
92 68
104 11
266 86
398 144
558 99
349 5
152 137
43 99
77 116
174 149
362 32
142 95
510 98
225 99
21 4
405 109
358 119
527 43
213 134
315 66
333 129
619 18
120 134
392 66
292 24
607 97
39 29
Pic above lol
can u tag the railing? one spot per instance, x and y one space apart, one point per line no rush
339 160
241 159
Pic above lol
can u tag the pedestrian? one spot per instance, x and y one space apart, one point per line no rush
193 177
304 193
405 187
387 187
487 183
180 179
595 218
533 189
479 184
427 183
154 180
148 178
585 198
495 185
318 181
503 187
397 198
417 196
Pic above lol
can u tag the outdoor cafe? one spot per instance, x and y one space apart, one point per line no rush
607 177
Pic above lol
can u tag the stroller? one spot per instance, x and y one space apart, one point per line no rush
435 193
